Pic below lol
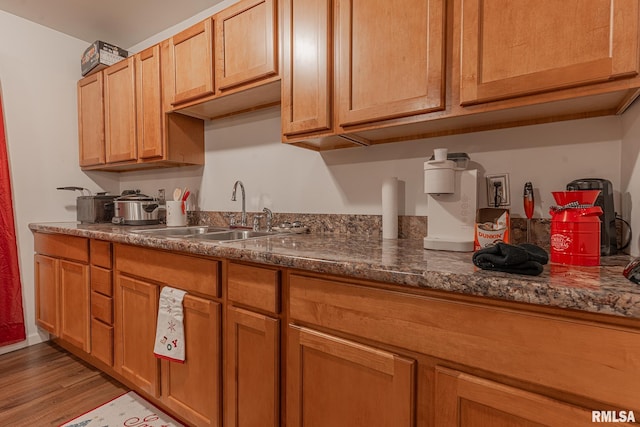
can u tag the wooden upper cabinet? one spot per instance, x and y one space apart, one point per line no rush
511 49
246 43
307 66
192 62
149 103
120 111
390 59
91 120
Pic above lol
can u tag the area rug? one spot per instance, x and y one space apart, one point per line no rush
127 410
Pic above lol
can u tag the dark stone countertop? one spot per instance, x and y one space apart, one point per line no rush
403 262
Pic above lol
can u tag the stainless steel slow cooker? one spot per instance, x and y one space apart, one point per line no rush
92 209
135 209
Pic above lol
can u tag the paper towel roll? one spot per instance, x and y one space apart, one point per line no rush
390 208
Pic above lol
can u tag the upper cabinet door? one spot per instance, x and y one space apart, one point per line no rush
149 103
307 52
120 111
390 59
91 120
517 48
192 65
246 43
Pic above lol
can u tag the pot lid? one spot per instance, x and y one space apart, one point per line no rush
134 196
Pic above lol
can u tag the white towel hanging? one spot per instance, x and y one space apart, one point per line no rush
170 343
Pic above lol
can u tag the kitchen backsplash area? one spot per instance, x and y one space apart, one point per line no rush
409 226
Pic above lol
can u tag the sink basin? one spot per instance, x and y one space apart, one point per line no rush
219 234
230 235
178 231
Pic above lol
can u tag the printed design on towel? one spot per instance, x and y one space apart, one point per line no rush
169 343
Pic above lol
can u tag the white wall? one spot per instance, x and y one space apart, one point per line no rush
291 179
39 69
630 169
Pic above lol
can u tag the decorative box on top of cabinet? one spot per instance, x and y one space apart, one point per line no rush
138 133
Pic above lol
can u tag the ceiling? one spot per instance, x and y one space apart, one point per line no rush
121 22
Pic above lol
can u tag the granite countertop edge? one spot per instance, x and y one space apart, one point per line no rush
405 263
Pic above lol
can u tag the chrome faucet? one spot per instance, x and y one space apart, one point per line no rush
269 214
243 218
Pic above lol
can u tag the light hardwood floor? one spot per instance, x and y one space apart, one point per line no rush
43 385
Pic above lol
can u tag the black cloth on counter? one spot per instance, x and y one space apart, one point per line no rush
525 258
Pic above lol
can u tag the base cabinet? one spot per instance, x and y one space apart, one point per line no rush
252 346
252 384
337 382
192 389
467 401
101 301
277 346
74 304
136 307
61 274
46 283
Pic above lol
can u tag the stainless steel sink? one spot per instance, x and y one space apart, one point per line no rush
233 235
219 234
178 231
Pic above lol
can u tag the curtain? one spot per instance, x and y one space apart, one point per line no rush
11 316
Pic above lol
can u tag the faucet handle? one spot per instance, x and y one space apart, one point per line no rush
269 214
232 219
256 222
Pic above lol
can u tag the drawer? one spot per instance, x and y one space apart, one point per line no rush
190 273
101 281
62 246
102 308
256 287
101 253
102 341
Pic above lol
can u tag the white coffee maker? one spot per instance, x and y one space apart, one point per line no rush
452 201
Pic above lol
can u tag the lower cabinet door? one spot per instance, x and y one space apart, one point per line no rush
102 341
468 401
340 383
46 283
136 308
252 386
74 304
192 388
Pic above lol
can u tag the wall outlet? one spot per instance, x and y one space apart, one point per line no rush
498 190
